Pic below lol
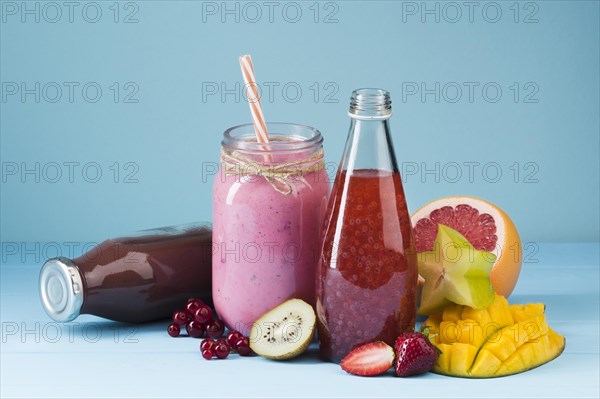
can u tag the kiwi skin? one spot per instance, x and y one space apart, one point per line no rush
301 348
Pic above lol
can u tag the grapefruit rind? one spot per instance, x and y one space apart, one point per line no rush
508 250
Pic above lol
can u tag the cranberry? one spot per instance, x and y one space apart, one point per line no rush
215 328
233 337
194 329
203 314
180 317
193 305
242 346
207 343
221 350
207 354
173 330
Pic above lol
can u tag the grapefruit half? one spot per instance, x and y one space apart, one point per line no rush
484 225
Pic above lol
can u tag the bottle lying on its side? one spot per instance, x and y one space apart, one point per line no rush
136 278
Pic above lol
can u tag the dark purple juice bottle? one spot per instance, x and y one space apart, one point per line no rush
141 277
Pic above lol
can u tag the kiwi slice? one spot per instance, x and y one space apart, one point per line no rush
285 331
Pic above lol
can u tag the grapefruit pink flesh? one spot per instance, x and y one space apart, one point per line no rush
486 226
478 229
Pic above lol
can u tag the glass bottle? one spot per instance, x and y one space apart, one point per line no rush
136 278
367 272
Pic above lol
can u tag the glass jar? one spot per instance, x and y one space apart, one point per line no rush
268 203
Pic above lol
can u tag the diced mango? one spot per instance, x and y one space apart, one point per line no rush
556 340
462 358
500 312
471 332
434 319
480 316
525 312
493 342
448 332
443 363
503 346
509 338
452 313
533 354
512 365
530 329
431 325
486 364
462 331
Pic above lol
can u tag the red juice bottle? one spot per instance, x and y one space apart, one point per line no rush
367 271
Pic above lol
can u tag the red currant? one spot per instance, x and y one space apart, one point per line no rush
193 305
233 337
194 329
203 314
180 317
215 328
173 330
243 347
207 354
221 350
207 343
222 341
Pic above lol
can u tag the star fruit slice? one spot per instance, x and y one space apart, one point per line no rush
455 272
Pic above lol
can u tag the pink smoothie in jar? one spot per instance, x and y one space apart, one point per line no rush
268 204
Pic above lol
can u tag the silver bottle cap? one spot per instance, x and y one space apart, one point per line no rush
61 289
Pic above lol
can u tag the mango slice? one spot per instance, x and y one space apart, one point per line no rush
486 364
443 362
496 341
462 358
524 312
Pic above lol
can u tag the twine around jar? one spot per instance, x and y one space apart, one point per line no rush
278 176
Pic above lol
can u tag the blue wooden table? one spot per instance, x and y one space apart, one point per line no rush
91 357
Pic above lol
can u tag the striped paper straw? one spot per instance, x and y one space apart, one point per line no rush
258 119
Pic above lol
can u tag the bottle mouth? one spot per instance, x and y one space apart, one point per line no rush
370 103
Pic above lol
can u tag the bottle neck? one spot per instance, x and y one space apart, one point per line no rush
369 146
370 104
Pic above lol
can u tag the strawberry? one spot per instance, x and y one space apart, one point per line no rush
370 359
414 354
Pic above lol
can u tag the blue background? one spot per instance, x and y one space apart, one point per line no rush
175 52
